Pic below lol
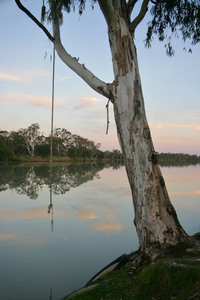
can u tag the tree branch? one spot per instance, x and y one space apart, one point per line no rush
130 6
107 8
94 82
140 16
29 14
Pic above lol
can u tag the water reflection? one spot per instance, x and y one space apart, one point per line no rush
50 207
80 221
29 180
47 255
177 163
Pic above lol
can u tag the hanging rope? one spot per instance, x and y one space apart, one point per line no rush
50 206
52 105
107 110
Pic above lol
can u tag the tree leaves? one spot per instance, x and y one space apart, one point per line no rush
174 18
69 5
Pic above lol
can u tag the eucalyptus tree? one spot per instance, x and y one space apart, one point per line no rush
16 143
4 137
62 140
4 140
155 218
30 137
93 148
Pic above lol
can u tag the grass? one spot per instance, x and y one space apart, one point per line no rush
165 279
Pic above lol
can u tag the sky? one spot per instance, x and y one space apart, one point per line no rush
171 86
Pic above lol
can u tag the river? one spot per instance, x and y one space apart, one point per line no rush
61 225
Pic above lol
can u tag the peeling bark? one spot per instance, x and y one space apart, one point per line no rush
156 221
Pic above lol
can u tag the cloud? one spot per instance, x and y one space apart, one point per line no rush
189 126
27 99
155 126
174 125
85 213
24 76
7 236
35 213
30 74
87 103
107 227
13 238
9 76
190 193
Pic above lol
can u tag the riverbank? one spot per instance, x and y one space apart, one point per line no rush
61 159
175 276
163 160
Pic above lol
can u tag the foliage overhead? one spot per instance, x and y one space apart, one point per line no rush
174 17
169 17
68 6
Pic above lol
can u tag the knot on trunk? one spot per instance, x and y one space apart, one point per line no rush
146 133
137 107
153 157
162 182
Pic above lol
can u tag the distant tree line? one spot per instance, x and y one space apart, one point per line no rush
30 142
177 159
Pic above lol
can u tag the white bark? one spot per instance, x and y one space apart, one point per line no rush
94 82
155 218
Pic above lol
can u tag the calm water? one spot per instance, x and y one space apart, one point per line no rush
90 223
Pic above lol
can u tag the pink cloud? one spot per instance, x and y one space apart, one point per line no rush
7 236
189 126
25 75
13 238
28 99
9 76
30 74
107 227
155 126
87 103
85 213
189 193
35 213
174 125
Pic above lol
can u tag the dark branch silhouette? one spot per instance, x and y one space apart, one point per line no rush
29 14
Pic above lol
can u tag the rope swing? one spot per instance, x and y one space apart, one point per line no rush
52 106
107 110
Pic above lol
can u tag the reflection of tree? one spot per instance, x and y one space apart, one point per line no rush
22 179
29 180
31 185
177 163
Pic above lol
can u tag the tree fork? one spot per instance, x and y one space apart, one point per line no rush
156 221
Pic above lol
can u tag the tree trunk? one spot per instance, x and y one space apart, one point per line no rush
155 218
